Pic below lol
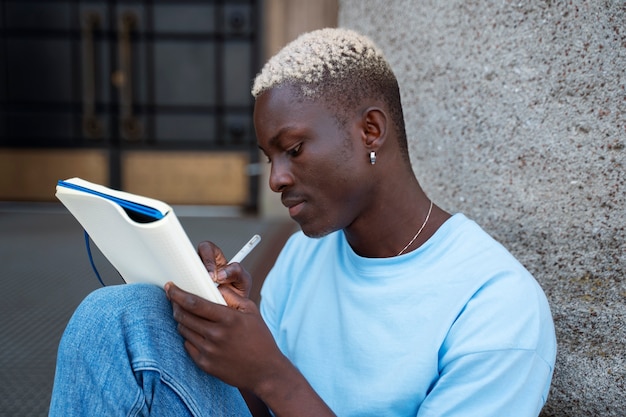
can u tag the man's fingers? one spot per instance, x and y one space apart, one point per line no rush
234 299
192 303
212 257
236 277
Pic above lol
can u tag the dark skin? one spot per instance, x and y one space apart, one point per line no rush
323 173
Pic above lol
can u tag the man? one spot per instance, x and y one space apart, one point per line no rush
384 304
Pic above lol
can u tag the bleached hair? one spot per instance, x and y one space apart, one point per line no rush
338 65
318 56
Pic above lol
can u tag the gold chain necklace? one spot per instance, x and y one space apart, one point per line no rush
419 231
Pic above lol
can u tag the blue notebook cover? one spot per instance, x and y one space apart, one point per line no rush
139 212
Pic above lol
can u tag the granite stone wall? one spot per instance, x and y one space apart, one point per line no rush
516 114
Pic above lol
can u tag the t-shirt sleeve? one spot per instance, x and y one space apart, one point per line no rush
498 357
495 383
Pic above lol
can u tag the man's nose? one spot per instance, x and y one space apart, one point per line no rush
280 176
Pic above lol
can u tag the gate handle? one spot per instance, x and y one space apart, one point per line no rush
130 128
92 126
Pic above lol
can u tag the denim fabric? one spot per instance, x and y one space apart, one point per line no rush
121 355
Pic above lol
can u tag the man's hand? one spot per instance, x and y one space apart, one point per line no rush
231 342
231 276
234 344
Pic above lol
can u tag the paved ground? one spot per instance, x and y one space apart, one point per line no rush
45 273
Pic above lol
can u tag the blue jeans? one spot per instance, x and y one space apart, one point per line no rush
121 355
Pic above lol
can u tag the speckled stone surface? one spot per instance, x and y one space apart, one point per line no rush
516 114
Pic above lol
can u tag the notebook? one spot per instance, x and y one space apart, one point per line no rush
141 237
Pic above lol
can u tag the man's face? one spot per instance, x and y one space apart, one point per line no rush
317 165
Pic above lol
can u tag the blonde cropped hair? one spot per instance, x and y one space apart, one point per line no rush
321 55
339 66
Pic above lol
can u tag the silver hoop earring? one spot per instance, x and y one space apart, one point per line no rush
372 157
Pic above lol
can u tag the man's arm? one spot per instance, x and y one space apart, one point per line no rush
255 405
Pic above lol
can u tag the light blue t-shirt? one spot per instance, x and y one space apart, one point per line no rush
457 327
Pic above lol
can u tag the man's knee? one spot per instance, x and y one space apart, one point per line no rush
117 299
125 294
108 308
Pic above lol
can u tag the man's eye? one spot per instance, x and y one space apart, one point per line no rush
295 151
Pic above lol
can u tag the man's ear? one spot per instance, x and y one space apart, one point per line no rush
374 127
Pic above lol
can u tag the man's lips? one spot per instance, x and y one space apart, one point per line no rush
294 205
295 210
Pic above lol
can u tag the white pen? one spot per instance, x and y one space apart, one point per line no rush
247 248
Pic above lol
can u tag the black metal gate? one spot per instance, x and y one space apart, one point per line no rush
129 75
